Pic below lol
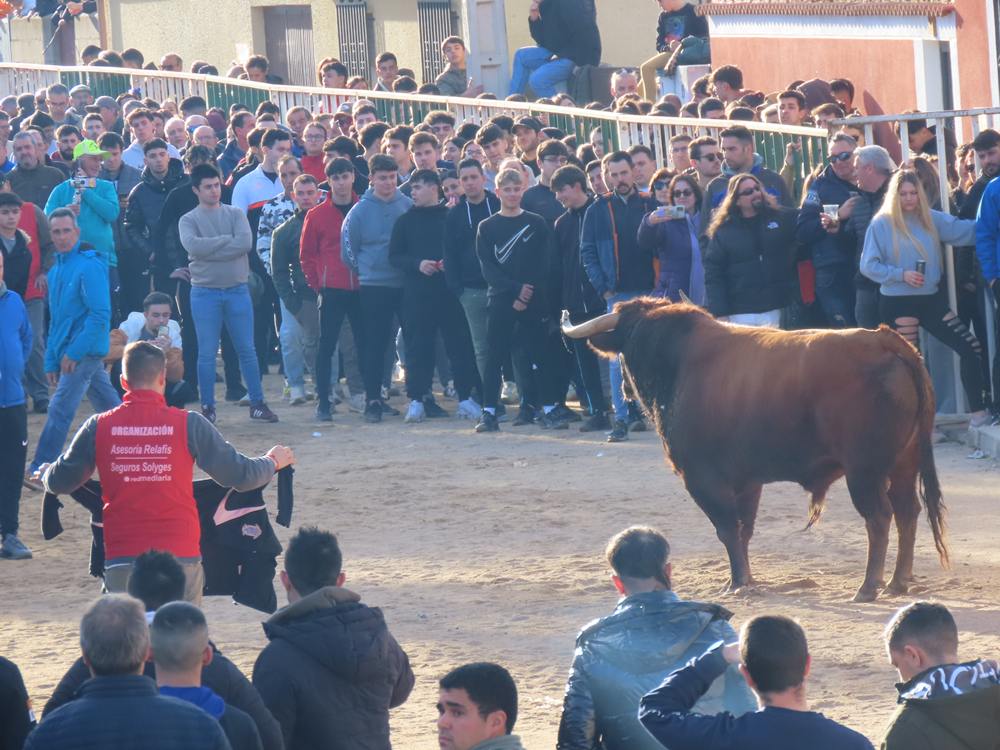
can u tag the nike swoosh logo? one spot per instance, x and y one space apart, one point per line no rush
224 515
24 443
502 254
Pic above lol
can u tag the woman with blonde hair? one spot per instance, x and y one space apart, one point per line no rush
902 253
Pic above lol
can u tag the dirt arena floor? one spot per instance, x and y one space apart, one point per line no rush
489 547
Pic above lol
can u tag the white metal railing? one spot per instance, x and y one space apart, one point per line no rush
622 131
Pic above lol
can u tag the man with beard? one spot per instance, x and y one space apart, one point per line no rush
618 268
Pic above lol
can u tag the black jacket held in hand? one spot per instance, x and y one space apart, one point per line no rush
331 672
568 28
750 264
221 675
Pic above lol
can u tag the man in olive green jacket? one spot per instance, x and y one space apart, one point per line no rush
944 704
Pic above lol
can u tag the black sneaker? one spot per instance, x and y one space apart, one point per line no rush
234 395
596 422
262 413
323 413
487 423
42 406
619 434
432 410
567 414
526 415
208 412
389 411
553 421
373 412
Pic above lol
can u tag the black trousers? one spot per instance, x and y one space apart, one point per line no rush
930 310
335 305
379 305
13 452
507 331
189 342
588 370
426 312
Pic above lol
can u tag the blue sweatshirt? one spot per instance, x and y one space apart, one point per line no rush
665 712
15 346
98 212
79 307
884 261
365 235
988 231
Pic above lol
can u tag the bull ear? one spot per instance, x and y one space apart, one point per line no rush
607 344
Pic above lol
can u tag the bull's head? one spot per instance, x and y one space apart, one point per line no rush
610 334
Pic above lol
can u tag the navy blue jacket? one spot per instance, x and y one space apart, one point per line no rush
142 216
15 346
127 712
825 249
666 714
670 242
610 241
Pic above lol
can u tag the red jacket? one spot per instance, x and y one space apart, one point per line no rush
319 249
146 472
29 223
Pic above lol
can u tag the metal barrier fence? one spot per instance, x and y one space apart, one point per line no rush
965 125
619 131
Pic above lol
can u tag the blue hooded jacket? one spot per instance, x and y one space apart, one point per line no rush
98 213
15 346
79 306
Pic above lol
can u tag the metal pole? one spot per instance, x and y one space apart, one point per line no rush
949 255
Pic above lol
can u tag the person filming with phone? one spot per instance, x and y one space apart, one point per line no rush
903 254
671 232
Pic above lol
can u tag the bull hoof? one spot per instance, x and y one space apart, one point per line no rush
898 587
866 594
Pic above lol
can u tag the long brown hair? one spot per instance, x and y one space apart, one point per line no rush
729 209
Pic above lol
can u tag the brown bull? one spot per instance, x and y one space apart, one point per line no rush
740 407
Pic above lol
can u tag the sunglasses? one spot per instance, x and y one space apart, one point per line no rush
748 192
709 157
682 193
841 157
660 185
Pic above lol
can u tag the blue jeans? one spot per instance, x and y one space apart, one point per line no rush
88 377
211 308
535 65
615 366
292 348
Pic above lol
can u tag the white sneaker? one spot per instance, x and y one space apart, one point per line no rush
356 403
415 413
398 373
468 409
296 395
286 393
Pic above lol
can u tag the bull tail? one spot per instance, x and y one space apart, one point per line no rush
817 502
929 487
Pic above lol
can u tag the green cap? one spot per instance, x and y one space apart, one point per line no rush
88 148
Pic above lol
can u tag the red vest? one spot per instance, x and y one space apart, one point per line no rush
29 223
146 472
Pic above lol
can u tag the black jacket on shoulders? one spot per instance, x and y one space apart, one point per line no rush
221 675
126 712
331 672
750 264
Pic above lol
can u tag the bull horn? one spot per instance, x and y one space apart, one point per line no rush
684 297
589 328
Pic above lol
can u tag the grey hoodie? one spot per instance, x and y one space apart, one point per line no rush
364 238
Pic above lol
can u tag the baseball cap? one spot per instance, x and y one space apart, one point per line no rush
88 148
102 102
528 122
80 88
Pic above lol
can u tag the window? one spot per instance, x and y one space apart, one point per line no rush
354 27
437 23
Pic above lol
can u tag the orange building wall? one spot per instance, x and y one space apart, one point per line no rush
881 71
973 54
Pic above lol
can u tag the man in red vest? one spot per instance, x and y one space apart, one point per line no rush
145 452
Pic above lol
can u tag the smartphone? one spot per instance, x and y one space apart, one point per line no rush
676 212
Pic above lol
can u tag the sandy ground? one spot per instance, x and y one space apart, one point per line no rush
489 547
